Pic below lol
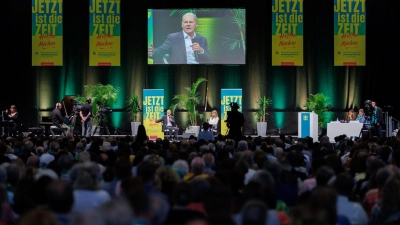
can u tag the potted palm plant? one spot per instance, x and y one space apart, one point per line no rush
134 109
189 101
102 95
263 104
319 104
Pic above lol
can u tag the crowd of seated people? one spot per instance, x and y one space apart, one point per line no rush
261 180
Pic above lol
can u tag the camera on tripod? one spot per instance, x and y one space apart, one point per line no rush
103 110
368 110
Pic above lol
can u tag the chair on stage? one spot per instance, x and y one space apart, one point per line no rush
168 132
54 130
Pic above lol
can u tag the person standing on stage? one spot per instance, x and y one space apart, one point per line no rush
169 123
86 115
377 118
13 120
57 120
234 121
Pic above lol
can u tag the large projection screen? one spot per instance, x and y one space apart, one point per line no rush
223 29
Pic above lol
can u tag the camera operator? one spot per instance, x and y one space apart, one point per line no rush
377 119
86 115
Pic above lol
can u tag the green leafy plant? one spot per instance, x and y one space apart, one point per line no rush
239 18
134 107
189 101
104 94
263 104
320 104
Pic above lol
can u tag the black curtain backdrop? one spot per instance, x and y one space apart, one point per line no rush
348 87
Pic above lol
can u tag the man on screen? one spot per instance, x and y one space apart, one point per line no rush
184 47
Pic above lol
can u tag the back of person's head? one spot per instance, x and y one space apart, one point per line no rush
147 171
88 217
117 212
197 165
85 176
200 186
382 175
323 175
159 207
323 204
184 145
390 200
208 159
60 197
344 184
206 126
122 168
254 212
181 165
38 216
274 168
242 145
183 194
66 160
263 177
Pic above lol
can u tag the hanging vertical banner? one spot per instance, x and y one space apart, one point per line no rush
287 33
228 96
153 109
150 30
350 32
47 33
104 33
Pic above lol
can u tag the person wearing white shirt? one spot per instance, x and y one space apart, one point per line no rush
214 119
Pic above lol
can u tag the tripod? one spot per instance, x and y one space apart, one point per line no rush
366 124
101 125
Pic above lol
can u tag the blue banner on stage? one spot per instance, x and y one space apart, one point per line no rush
305 124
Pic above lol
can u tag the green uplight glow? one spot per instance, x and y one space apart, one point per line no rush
118 80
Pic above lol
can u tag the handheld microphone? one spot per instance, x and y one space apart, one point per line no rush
194 40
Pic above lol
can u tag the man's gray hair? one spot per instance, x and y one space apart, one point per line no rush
263 177
159 208
117 212
242 146
204 148
84 157
197 165
211 146
190 14
88 217
182 165
28 145
85 176
54 146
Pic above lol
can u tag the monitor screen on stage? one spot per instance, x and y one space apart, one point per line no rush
197 36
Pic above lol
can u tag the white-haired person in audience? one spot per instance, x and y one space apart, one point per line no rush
242 146
182 168
87 192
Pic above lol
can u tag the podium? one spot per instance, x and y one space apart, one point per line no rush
308 125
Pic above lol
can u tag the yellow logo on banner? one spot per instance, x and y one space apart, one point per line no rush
305 117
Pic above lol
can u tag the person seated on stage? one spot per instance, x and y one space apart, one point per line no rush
205 134
234 121
57 120
361 116
350 116
13 120
213 121
169 123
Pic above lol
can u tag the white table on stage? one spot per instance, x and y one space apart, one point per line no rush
335 129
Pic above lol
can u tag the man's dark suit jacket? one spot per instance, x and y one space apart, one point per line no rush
164 119
174 45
